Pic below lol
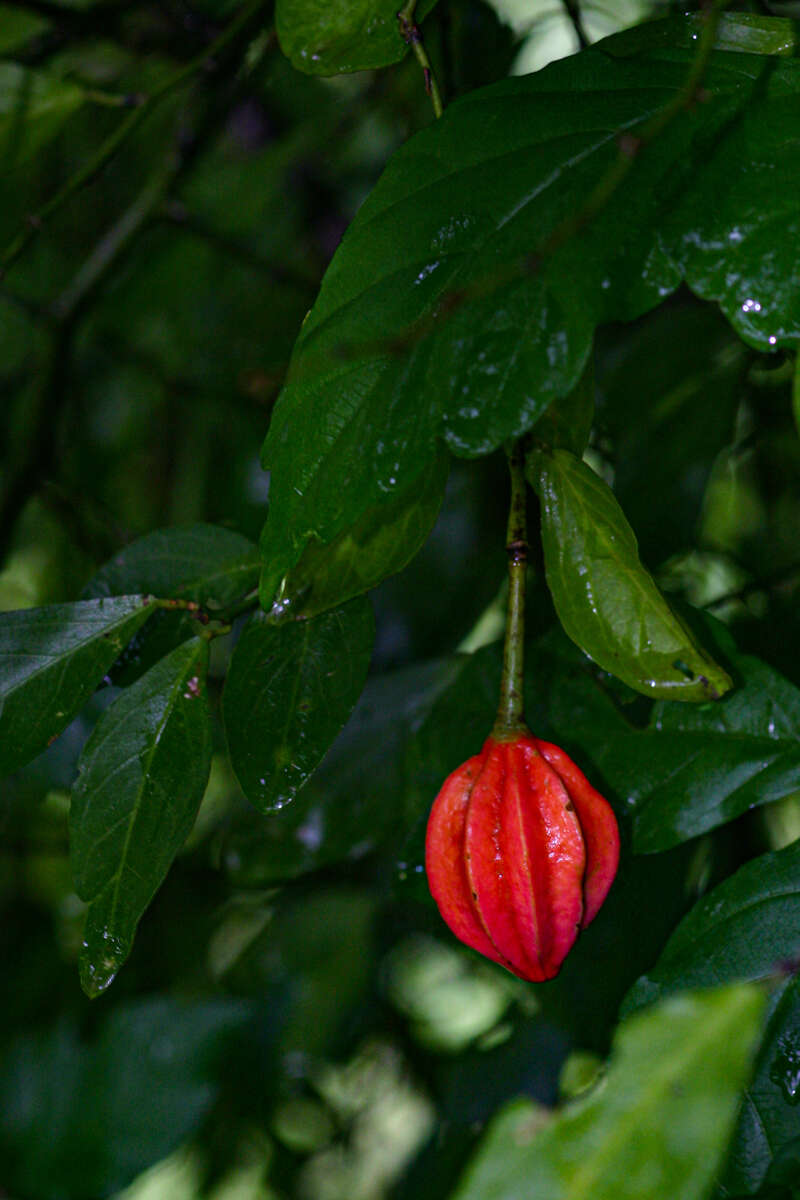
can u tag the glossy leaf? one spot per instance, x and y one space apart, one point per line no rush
33 105
205 563
51 660
147 1079
695 768
767 1128
656 1126
746 33
353 803
140 782
606 600
327 37
460 305
747 928
289 691
378 545
743 929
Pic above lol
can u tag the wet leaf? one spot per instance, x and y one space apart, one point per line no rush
459 304
695 768
746 928
378 545
743 929
140 781
289 691
355 801
205 563
51 660
606 600
327 37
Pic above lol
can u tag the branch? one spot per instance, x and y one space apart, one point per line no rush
411 35
574 13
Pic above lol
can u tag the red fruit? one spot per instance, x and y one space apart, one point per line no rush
520 854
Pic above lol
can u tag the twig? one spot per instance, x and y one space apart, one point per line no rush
105 254
115 140
410 33
573 11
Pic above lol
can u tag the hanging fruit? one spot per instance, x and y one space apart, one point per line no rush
520 850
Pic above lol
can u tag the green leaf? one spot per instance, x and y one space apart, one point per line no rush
353 802
668 426
657 1125
327 37
745 33
693 769
459 305
743 929
747 928
140 782
380 544
51 660
568 421
605 599
767 1126
18 27
33 106
82 1116
290 689
205 563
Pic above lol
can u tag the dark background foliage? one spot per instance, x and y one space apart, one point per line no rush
293 1019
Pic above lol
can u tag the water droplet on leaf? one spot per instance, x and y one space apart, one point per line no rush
785 1069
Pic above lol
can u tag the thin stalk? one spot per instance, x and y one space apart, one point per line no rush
510 714
410 33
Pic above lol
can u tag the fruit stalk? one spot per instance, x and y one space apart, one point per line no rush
510 714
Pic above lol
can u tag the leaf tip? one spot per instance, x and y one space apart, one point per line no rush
99 963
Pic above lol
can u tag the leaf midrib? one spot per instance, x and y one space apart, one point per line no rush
116 878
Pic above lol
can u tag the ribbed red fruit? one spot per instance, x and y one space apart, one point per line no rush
520 854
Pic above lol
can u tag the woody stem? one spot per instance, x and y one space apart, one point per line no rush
510 715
